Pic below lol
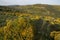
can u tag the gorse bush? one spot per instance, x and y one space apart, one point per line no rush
29 27
36 22
18 29
55 35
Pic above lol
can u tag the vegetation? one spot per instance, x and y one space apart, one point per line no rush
33 22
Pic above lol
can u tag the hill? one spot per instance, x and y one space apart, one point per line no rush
30 22
38 9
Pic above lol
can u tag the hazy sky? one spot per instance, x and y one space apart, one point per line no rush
25 2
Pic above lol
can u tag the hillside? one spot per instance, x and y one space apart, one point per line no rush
30 22
38 9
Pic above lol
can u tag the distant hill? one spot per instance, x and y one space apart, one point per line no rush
38 9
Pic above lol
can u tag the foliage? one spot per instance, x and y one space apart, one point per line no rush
36 22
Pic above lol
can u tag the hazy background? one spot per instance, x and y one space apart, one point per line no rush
27 2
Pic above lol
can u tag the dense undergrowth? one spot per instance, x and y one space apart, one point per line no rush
28 27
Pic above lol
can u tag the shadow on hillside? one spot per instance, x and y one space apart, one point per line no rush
42 29
36 28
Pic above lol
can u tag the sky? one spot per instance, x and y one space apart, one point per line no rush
29 2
